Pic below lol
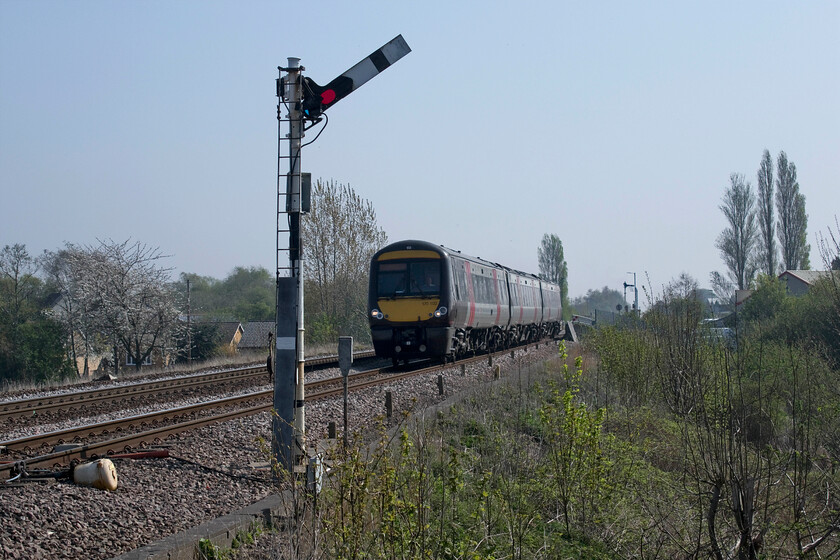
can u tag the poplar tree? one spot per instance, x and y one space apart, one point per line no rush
553 264
737 241
793 220
766 218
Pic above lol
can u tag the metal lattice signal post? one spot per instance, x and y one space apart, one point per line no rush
288 424
636 290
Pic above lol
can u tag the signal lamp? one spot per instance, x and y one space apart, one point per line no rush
317 99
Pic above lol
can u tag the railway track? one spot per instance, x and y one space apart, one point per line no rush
39 406
167 422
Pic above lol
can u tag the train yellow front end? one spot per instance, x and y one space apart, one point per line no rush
408 301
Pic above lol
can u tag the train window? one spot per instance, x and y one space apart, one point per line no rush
456 276
425 278
461 281
476 288
477 285
487 289
392 279
408 278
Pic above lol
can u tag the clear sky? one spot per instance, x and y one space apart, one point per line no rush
615 125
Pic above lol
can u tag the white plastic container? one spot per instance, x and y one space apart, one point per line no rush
100 474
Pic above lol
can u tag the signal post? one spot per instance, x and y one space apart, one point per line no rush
302 100
288 421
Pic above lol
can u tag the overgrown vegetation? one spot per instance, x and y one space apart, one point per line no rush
662 441
521 469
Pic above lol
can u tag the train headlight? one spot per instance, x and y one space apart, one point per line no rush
376 314
440 311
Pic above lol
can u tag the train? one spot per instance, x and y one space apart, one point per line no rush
428 301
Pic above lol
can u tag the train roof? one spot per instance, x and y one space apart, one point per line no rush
413 244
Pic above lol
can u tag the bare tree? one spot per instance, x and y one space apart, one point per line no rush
137 302
723 288
553 264
737 241
115 294
340 236
793 220
766 219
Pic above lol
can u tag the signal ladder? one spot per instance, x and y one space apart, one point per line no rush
288 170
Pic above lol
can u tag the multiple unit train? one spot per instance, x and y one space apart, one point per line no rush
427 301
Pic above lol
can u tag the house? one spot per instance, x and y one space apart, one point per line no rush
741 296
255 338
798 282
229 335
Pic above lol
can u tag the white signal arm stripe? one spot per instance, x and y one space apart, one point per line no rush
378 61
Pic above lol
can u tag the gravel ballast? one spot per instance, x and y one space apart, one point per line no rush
219 474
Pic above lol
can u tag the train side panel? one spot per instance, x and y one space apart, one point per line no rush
552 302
526 304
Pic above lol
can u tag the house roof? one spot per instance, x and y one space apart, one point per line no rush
226 330
53 300
255 334
806 276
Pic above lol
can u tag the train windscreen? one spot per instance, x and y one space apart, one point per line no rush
408 279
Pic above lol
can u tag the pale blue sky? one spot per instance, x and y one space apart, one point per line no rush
615 125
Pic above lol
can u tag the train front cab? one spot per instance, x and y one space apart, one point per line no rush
408 302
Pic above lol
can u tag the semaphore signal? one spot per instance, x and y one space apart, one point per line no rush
317 99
